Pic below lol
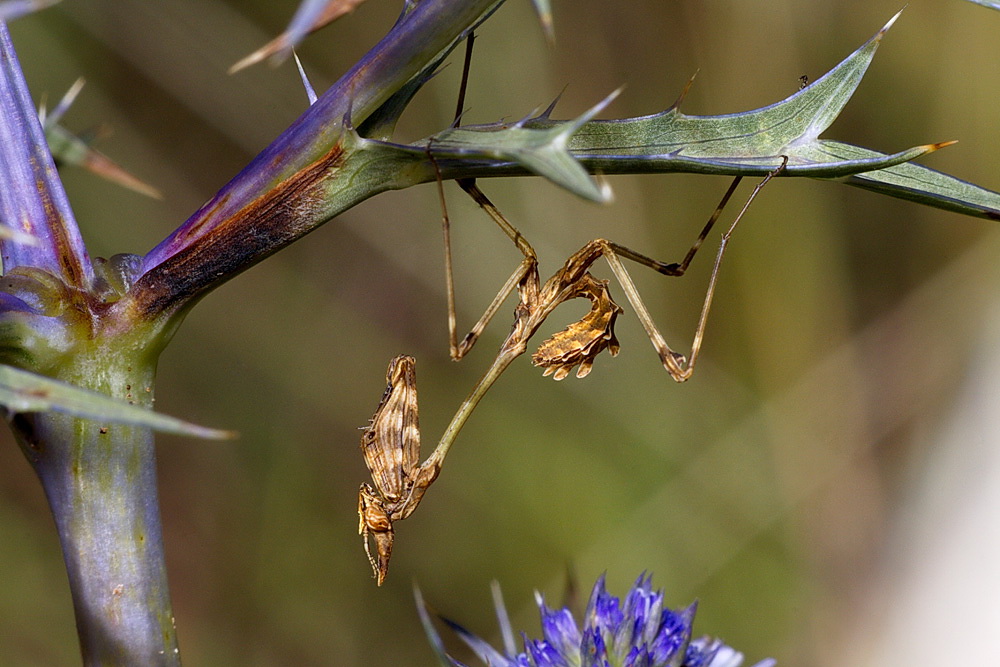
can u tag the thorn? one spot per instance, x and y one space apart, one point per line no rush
310 17
547 114
531 115
458 119
684 91
274 46
310 92
888 25
100 164
938 146
589 114
41 108
50 119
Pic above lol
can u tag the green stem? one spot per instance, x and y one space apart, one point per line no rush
100 481
507 355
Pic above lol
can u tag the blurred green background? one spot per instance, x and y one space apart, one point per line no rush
794 486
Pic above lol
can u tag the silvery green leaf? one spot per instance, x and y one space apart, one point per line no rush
23 391
749 143
924 185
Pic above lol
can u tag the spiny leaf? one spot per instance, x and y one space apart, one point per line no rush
752 142
23 391
672 141
749 143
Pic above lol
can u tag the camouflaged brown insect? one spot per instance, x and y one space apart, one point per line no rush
391 447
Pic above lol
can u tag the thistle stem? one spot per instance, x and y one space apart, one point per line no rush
100 481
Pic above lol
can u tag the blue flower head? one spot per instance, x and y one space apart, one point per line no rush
639 632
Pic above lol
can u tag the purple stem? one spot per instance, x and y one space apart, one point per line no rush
32 199
415 40
100 481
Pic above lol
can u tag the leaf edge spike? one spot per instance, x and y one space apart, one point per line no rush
570 127
547 114
676 106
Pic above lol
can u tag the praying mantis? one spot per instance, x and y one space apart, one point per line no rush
391 441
